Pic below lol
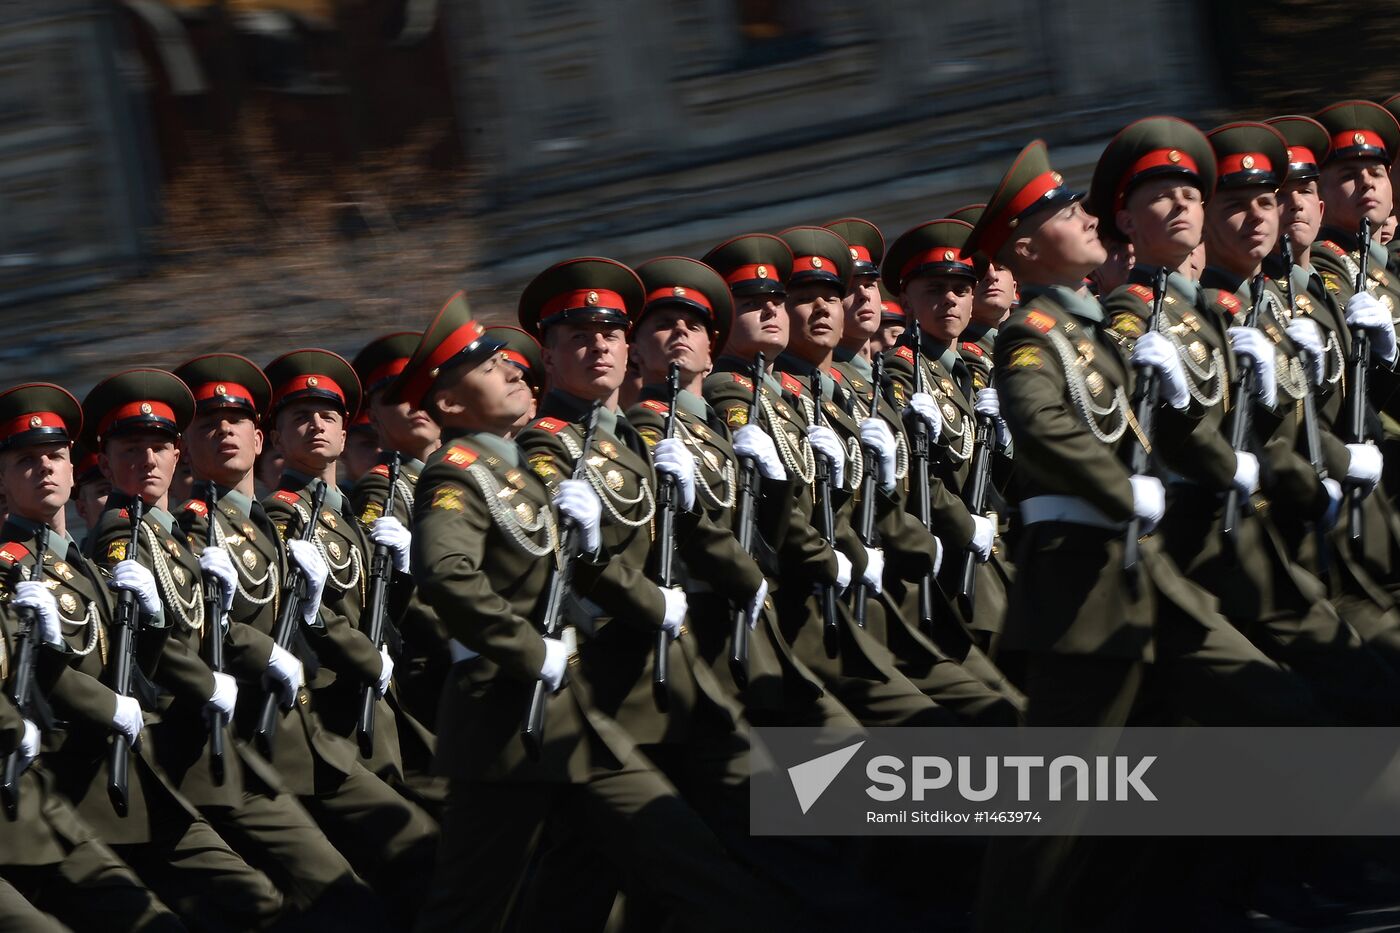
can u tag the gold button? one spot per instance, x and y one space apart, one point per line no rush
312 381
591 299
1358 138
146 408
949 256
816 262
763 272
678 292
1247 161
1173 156
854 254
220 389
36 422
1059 179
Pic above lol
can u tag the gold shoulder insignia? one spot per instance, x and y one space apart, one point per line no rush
1026 357
448 498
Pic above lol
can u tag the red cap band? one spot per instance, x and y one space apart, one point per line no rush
142 409
421 378
230 392
1348 139
1301 155
1245 162
33 421
590 299
1157 158
861 254
313 382
939 254
814 264
517 358
678 292
384 372
1001 226
741 274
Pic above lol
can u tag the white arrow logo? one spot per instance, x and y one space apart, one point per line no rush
811 778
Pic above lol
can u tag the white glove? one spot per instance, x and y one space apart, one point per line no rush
130 575
874 575
1366 312
825 442
556 662
308 557
1364 470
756 604
1246 473
752 441
216 562
1156 352
225 695
35 595
987 403
1306 334
937 555
1334 503
127 719
843 572
285 673
676 607
576 500
923 405
671 457
386 671
390 532
984 532
1149 500
1258 350
28 744
876 435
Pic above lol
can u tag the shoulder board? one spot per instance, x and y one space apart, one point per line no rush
1040 321
1331 247
287 496
459 456
792 384
1141 291
973 348
905 353
13 552
1227 301
552 425
836 375
380 469
123 513
743 380
197 506
660 408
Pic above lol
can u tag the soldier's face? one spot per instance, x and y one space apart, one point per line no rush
491 396
400 426
310 434
91 500
361 454
1114 270
222 445
1300 212
886 337
993 295
670 335
1241 228
815 319
1355 188
760 326
1387 231
586 360
942 304
1064 248
141 464
37 480
862 308
1164 218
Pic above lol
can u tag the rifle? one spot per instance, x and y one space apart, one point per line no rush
1148 393
288 621
865 519
1360 366
918 469
1312 436
666 541
380 572
213 604
128 622
747 503
980 482
25 640
1242 392
826 527
532 734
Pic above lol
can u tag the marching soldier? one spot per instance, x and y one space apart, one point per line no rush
47 852
523 352
422 660
90 487
992 300
479 565
134 420
861 673
862 303
892 323
1064 387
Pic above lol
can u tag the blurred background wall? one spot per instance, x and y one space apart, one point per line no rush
179 176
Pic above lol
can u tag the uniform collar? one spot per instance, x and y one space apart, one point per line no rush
1145 274
58 544
854 360
236 499
975 332
507 450
162 518
1076 301
796 365
296 481
577 408
1230 282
